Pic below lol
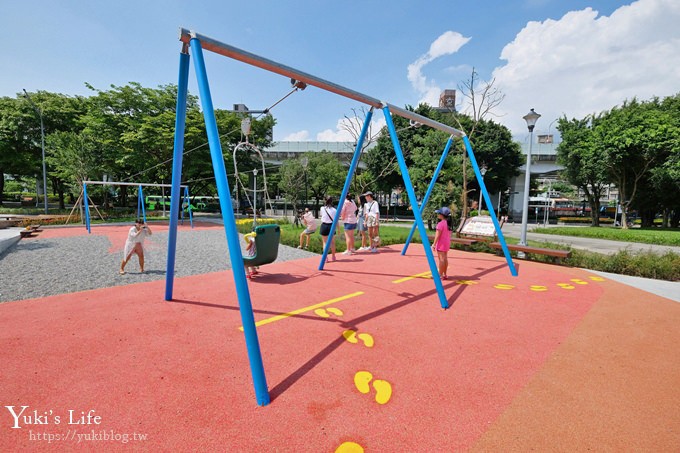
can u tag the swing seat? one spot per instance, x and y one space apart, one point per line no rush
266 245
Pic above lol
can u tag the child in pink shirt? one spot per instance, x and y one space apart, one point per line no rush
442 239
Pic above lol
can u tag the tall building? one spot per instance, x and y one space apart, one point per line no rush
447 101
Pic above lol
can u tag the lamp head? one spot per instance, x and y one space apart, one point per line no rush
531 119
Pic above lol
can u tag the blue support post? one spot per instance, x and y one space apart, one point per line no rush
416 209
245 306
86 205
140 203
181 207
345 188
188 201
492 213
178 152
429 190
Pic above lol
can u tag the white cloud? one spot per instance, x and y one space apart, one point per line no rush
585 63
341 134
446 44
301 136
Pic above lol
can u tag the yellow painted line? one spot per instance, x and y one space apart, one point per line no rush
421 275
302 310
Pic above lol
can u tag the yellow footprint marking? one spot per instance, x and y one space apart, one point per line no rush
323 312
597 279
538 288
579 281
467 282
349 447
504 286
367 339
383 391
361 380
352 336
565 286
383 388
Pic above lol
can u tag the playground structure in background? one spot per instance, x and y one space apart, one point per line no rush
141 204
196 43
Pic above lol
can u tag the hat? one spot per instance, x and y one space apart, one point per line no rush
443 211
368 193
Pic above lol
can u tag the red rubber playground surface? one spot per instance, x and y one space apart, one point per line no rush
358 356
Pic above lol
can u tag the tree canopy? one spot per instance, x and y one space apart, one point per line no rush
124 132
634 146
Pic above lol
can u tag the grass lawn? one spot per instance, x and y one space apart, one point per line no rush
658 236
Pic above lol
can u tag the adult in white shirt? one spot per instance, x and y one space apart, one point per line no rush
327 216
135 244
372 219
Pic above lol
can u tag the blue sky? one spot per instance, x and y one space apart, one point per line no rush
560 57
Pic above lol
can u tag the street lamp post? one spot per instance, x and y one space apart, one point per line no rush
479 205
42 140
531 119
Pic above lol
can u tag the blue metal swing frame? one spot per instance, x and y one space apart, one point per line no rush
196 43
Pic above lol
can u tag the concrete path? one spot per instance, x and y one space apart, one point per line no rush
603 246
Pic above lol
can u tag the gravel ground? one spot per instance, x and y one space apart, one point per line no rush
46 267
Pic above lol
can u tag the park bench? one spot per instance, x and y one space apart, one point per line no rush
26 233
558 255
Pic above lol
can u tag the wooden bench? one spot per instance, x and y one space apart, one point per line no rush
557 254
464 241
26 233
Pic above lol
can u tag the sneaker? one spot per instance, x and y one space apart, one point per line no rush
374 250
363 249
299 246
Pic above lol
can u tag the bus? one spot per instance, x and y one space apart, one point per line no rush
556 207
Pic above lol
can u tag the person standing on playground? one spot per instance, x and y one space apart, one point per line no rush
135 244
327 216
361 223
372 220
310 227
442 239
349 217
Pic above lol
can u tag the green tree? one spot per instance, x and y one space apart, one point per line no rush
292 182
20 134
135 128
325 175
423 146
17 156
632 138
584 166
